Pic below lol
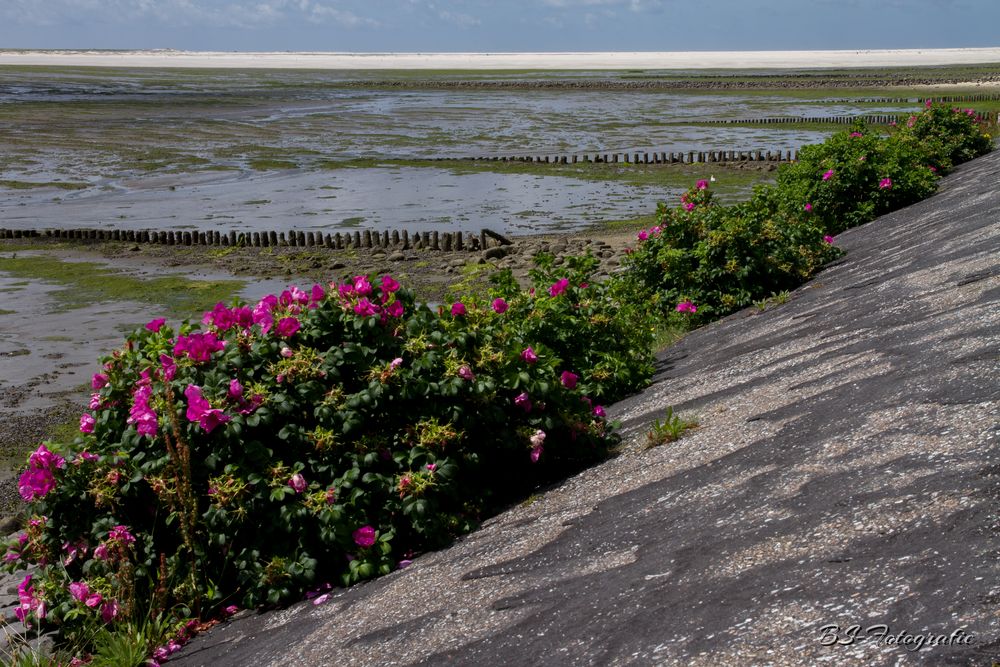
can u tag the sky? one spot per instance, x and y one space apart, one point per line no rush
506 25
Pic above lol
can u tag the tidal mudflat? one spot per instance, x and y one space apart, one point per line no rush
266 149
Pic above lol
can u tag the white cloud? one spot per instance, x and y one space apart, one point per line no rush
632 5
321 13
459 19
234 13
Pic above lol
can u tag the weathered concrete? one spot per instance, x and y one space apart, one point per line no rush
847 471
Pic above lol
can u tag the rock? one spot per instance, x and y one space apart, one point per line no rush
43 647
397 257
336 264
496 252
11 523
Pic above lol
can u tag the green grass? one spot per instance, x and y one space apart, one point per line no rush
268 164
730 182
85 283
671 428
665 335
4 311
30 185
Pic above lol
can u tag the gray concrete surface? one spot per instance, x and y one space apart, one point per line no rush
847 472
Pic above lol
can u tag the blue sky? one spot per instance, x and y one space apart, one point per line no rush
511 25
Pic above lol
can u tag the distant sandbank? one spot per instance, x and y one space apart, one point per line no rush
667 60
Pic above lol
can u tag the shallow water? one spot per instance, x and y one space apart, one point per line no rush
149 144
344 199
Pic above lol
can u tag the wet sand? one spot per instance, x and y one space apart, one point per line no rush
415 199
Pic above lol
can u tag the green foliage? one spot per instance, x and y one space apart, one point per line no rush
671 428
127 646
314 438
849 180
592 327
717 259
702 261
946 135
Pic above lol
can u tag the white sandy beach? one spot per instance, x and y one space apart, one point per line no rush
666 60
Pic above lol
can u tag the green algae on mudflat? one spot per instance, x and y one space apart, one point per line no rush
85 283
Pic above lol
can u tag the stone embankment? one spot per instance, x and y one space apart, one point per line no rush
846 474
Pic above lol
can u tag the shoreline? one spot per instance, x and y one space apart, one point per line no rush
666 60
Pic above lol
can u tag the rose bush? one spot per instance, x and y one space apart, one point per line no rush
701 261
313 437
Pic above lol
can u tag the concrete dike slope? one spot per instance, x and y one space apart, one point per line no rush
844 489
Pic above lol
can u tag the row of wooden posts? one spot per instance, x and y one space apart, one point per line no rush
878 119
949 99
691 157
394 240
650 158
918 100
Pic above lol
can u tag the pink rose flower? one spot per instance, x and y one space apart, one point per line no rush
528 355
365 308
200 411
364 537
79 590
198 346
389 285
87 422
362 286
287 326
457 309
169 367
109 611
828 175
500 306
99 380
318 294
298 483
702 184
569 379
558 287
394 309
156 325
